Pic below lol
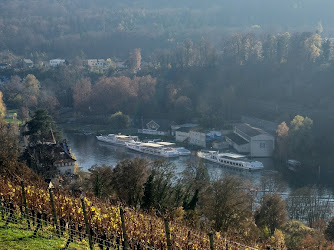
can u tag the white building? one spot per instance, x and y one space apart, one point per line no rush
56 62
182 134
27 63
120 65
97 63
197 138
248 139
152 128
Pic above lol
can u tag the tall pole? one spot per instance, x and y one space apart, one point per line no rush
169 244
87 225
125 237
25 204
55 222
212 247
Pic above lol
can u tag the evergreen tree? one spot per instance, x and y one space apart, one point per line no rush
147 200
272 213
40 127
191 205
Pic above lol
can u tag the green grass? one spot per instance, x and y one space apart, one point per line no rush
15 237
9 117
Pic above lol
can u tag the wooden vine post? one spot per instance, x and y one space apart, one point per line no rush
1 209
25 204
212 246
169 244
55 222
86 222
125 237
39 223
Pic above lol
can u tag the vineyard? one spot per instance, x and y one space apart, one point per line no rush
99 224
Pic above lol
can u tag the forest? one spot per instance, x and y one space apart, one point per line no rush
275 78
112 28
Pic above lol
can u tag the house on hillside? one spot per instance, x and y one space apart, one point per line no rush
250 140
49 157
56 62
155 127
27 63
97 63
63 160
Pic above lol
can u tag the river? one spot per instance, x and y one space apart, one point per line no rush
89 151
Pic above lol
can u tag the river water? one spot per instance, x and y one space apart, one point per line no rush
89 151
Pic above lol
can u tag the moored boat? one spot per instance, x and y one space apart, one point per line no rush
116 139
230 160
153 149
183 151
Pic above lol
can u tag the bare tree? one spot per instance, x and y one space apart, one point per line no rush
306 205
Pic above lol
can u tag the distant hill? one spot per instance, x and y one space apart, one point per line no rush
109 27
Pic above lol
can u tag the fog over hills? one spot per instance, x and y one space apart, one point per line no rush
47 25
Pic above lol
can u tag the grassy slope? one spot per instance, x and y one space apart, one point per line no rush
12 237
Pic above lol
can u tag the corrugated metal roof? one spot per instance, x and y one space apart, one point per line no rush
237 139
249 130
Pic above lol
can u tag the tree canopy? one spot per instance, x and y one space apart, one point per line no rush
41 127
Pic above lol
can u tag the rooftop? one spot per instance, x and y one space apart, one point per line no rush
184 129
152 145
232 155
164 143
237 139
249 130
27 61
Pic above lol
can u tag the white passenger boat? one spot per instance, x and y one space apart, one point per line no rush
230 160
183 151
153 149
117 139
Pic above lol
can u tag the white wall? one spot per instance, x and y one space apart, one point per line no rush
151 132
262 146
197 138
181 136
56 62
66 169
